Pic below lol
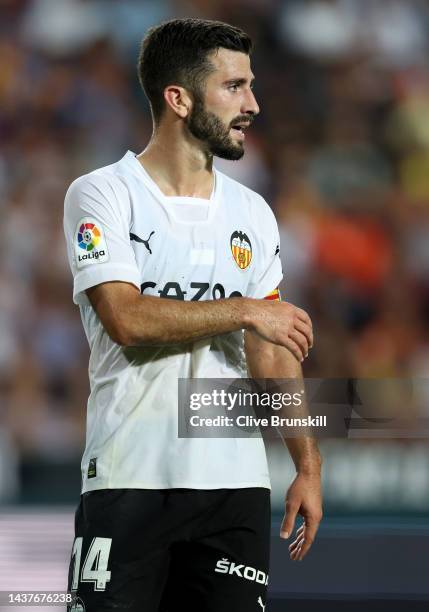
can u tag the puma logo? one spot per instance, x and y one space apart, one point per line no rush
145 242
261 604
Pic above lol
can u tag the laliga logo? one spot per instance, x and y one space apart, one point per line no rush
88 238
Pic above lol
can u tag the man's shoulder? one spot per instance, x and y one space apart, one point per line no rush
256 202
103 178
232 185
103 191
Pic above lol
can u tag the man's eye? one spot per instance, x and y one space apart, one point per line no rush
233 87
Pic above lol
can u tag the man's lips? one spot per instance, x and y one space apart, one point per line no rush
243 125
238 133
238 128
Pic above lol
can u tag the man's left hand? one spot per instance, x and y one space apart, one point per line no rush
303 497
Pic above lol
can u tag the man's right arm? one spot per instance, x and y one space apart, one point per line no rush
132 319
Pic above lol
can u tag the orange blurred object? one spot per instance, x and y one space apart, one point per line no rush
357 249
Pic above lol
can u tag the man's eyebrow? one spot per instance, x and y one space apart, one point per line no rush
238 81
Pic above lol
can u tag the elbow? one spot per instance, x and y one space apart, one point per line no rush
120 335
124 334
120 331
118 308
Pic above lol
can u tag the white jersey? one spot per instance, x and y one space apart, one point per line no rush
119 226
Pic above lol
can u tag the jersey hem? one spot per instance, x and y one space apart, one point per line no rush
181 485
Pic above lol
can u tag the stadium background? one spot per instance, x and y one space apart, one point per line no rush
341 152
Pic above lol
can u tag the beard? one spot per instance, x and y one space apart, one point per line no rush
207 126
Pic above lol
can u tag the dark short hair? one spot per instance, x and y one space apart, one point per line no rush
176 52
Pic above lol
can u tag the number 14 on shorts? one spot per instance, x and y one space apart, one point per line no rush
94 568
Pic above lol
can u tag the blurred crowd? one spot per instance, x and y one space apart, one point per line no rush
340 151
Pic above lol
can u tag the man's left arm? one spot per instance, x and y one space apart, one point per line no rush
266 360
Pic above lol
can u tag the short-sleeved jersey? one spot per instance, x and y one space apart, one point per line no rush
119 226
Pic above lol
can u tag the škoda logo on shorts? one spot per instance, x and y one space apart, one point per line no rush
224 566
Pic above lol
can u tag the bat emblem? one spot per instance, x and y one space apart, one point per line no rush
241 249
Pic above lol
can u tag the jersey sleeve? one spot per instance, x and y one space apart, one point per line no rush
96 227
268 272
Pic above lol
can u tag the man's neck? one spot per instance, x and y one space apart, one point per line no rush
178 166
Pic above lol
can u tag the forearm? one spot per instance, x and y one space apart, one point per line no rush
132 319
304 449
157 321
305 454
268 361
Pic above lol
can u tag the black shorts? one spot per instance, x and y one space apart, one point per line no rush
165 550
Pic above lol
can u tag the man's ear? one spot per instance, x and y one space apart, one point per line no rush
178 99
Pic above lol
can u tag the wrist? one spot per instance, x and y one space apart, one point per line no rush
310 469
310 465
247 312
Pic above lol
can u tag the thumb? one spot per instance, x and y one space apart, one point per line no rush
288 522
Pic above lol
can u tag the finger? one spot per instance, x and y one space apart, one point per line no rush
310 534
300 340
295 543
294 555
289 519
300 532
299 537
303 316
303 550
300 529
306 330
294 348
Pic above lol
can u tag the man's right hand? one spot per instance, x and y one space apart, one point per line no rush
282 323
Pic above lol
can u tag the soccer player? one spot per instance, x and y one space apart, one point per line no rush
171 261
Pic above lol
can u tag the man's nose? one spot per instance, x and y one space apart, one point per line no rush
249 104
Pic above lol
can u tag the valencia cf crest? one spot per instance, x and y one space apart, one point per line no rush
241 248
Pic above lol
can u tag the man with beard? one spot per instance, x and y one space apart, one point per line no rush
171 261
